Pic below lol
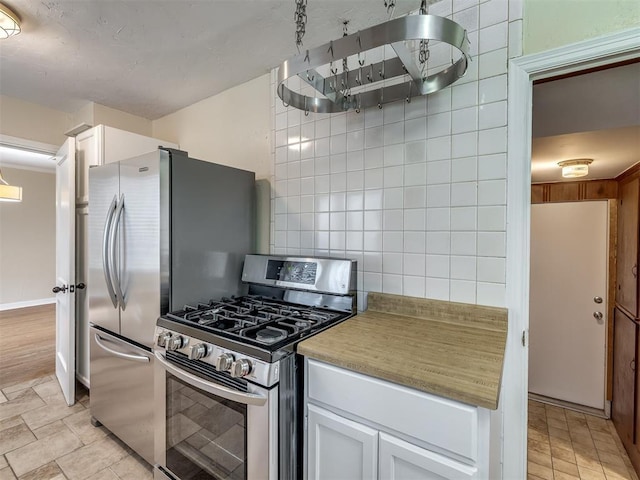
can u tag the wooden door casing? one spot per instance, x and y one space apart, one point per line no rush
627 251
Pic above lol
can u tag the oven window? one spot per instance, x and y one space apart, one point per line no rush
206 434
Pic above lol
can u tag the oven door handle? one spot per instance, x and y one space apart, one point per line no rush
213 388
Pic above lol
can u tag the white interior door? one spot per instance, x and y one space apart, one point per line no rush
65 270
569 251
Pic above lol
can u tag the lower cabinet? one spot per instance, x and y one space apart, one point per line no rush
400 460
624 377
362 428
340 448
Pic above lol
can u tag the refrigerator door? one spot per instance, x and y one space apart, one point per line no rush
142 232
104 186
122 390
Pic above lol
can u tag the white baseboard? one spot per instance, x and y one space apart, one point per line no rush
27 303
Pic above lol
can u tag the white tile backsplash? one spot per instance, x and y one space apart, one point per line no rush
416 192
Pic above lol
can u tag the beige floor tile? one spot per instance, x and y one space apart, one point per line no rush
558 433
24 385
533 477
557 475
42 451
49 471
603 436
49 429
588 474
132 467
566 467
588 461
80 424
611 458
607 447
92 458
541 446
558 423
22 402
11 422
15 437
3 462
6 474
38 417
106 474
558 442
555 412
540 458
616 472
50 391
541 471
563 454
3 398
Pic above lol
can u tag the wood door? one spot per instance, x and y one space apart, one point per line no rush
627 253
340 448
65 270
569 259
624 384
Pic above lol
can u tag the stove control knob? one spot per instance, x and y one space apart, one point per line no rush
224 362
196 352
175 343
162 339
241 368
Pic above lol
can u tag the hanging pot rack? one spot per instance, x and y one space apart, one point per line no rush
336 88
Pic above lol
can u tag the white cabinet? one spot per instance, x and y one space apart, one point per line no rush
363 427
340 448
400 460
97 146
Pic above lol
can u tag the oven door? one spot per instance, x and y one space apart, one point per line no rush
208 430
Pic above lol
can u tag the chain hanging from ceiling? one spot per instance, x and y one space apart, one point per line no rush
300 17
389 80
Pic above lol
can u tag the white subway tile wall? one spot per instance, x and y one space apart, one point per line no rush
414 192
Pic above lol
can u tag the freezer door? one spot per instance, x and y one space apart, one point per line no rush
104 187
141 230
122 390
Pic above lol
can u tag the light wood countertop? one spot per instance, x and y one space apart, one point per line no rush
454 350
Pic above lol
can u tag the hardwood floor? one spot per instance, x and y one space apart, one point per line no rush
27 348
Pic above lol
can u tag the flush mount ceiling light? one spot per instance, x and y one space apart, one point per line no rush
578 167
9 193
377 83
9 22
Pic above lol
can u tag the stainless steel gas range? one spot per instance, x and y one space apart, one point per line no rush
228 381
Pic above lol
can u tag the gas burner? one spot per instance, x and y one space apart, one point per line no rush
270 335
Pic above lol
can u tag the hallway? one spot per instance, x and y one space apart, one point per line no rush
568 445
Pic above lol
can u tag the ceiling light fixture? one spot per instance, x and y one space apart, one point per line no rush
9 193
578 167
9 22
366 85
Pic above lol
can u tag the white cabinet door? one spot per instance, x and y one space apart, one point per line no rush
340 449
400 460
88 153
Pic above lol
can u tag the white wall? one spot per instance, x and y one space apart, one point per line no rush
232 128
28 238
416 192
33 122
552 23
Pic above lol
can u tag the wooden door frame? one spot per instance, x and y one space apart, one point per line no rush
605 50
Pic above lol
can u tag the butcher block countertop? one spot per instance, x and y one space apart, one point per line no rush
453 350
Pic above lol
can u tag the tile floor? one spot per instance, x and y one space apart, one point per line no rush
41 438
568 445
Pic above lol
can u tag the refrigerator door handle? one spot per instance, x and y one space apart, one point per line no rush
125 356
106 258
113 240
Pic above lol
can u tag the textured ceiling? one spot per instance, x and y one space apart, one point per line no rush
153 57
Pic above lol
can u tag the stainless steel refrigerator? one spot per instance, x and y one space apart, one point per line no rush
165 230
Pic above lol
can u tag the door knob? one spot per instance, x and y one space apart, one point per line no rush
81 286
595 299
597 315
57 289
